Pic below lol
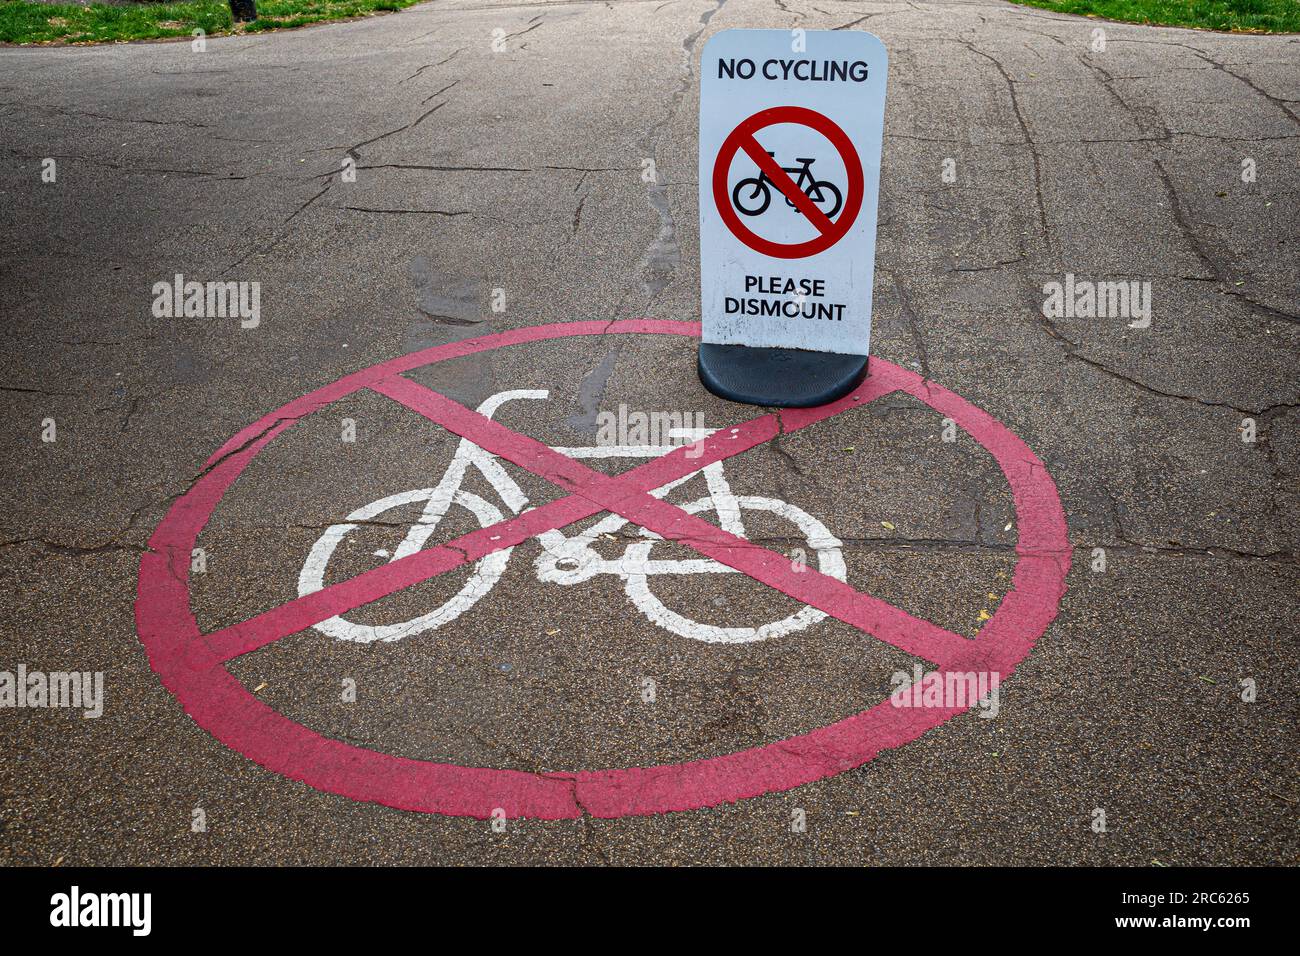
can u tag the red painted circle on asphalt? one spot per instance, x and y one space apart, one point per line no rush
192 667
742 137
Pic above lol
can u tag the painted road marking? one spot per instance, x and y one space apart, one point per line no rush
191 664
598 492
580 560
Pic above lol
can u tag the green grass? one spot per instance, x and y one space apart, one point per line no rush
23 22
1237 16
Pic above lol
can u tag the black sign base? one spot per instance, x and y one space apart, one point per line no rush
784 378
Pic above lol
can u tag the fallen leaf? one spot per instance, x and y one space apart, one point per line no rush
984 615
887 524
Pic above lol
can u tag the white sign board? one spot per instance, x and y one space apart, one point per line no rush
790 136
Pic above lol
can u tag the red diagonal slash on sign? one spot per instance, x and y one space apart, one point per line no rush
782 181
591 493
191 664
742 139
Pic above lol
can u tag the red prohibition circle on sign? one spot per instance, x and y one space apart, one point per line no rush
193 669
742 137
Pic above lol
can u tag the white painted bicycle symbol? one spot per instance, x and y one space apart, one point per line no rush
569 560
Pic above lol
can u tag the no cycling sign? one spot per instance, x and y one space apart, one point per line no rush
790 148
791 124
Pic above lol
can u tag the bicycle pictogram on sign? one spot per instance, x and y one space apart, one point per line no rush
831 210
752 196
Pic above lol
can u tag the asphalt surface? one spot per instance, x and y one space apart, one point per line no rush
522 171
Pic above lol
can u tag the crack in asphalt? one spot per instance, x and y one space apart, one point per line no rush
410 212
909 318
663 255
1071 349
437 93
430 66
1281 103
1148 118
777 444
67 111
282 232
535 21
355 150
129 168
1024 130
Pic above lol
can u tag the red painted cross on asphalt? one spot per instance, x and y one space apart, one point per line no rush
591 493
192 664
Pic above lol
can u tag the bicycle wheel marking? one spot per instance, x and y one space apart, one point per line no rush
742 139
191 664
